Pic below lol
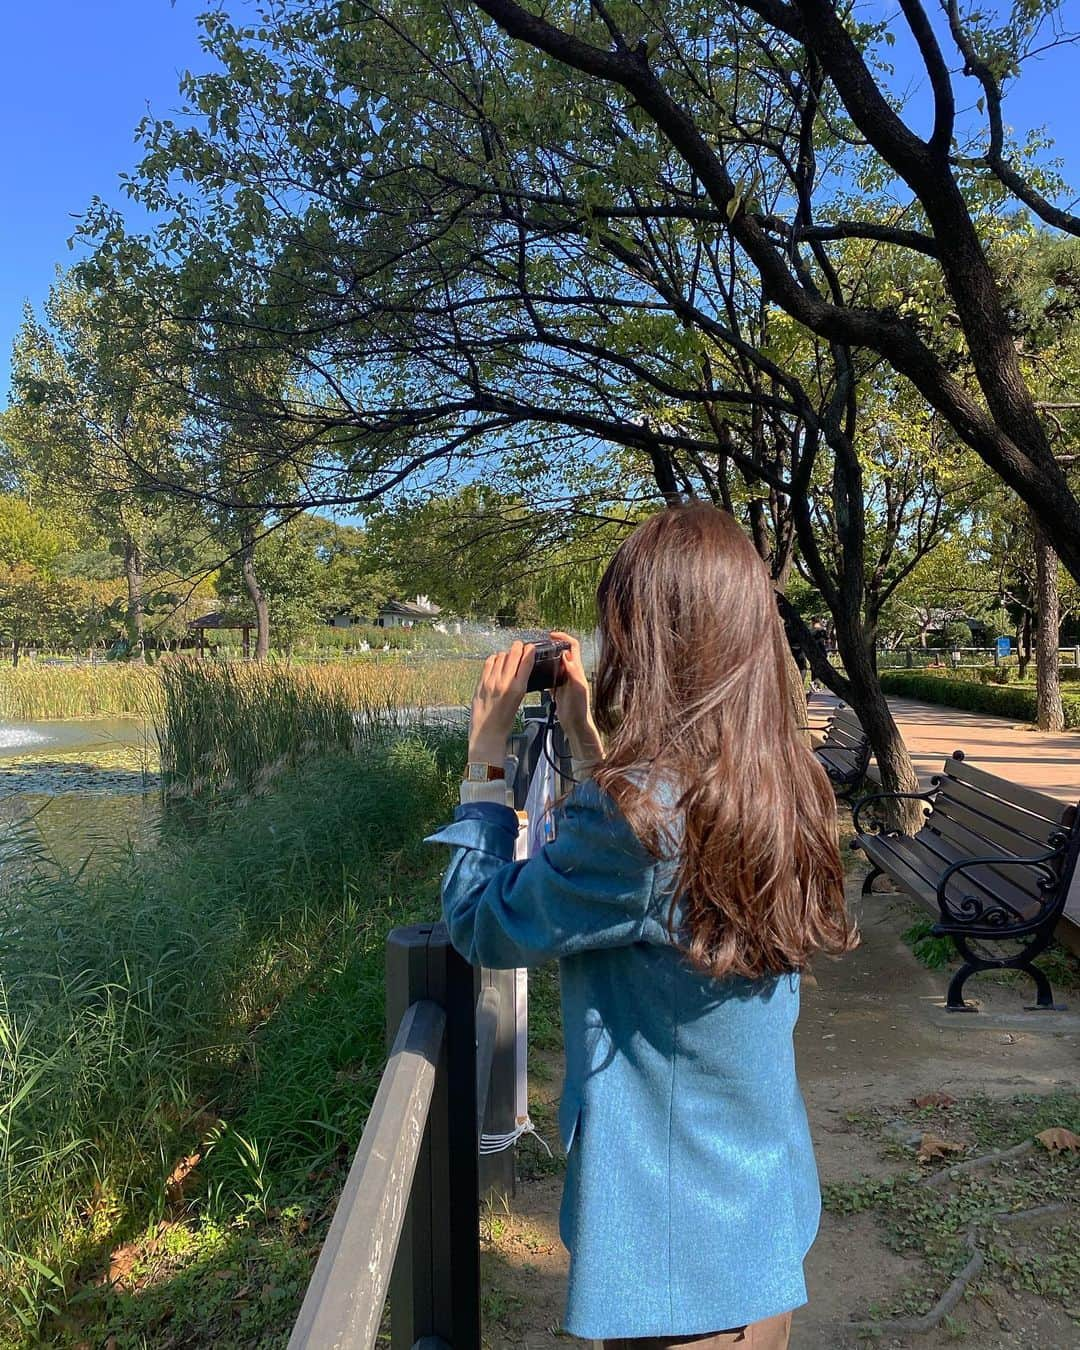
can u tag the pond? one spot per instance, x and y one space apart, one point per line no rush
79 787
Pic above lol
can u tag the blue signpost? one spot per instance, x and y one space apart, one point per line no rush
1004 647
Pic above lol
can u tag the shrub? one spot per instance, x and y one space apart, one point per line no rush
1013 701
999 674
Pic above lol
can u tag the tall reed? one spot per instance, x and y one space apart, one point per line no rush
136 1001
233 728
34 693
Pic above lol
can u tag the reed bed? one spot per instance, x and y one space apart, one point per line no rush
217 1000
398 680
33 693
227 728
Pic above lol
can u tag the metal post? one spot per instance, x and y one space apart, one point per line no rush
497 1169
435 1287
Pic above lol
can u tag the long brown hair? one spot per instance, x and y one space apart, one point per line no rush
692 689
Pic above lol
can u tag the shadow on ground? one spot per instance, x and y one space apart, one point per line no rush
872 1038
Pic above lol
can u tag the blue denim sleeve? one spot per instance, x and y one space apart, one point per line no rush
590 887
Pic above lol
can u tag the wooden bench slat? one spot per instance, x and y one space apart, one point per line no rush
929 854
994 835
843 760
971 846
1035 802
844 741
919 871
1015 885
890 862
1031 826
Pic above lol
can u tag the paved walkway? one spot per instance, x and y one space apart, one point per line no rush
1046 761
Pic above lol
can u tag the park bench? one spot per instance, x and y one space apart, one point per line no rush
844 752
993 860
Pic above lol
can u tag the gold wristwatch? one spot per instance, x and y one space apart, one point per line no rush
483 773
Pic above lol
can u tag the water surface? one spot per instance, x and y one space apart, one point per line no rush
79 789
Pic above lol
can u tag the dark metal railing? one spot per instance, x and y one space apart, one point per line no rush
407 1222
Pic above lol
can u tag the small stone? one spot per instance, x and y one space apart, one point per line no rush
904 1133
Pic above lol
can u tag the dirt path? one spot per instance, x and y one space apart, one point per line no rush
872 1036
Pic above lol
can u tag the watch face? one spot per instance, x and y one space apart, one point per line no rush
477 773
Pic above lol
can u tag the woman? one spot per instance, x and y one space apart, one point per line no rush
694 871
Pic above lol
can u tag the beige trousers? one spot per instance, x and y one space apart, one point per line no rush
771 1333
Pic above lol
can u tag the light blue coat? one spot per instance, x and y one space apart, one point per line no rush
691 1193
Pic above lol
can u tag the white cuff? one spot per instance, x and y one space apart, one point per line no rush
498 790
583 768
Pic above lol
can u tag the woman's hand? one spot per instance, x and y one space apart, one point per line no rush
572 704
495 703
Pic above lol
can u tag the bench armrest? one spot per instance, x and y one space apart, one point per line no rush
986 918
889 796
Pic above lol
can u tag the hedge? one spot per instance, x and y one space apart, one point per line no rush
1002 700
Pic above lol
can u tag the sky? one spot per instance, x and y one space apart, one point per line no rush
76 76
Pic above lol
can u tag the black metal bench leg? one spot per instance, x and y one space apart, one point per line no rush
1044 995
1022 961
954 1000
869 879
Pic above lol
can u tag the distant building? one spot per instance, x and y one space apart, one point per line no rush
406 614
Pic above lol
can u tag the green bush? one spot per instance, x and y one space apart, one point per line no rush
1014 701
999 674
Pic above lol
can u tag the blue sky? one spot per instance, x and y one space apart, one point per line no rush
76 76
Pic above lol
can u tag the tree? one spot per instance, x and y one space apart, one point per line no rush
351 579
25 537
288 585
34 606
84 429
571 267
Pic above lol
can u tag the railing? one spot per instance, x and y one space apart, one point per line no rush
407 1222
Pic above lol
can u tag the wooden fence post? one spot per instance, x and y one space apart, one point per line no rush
435 1287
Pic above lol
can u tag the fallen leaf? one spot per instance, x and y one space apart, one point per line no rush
934 1099
933 1146
174 1184
1059 1139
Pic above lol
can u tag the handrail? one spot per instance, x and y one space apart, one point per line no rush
344 1301
407 1224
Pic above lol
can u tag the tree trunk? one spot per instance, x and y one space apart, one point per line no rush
1023 645
897 774
1049 713
258 596
797 690
136 615
15 646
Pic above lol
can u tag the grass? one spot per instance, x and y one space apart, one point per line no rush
190 1040
34 693
928 1224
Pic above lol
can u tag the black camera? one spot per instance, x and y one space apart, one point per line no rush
547 671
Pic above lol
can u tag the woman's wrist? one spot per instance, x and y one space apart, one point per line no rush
585 742
487 750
